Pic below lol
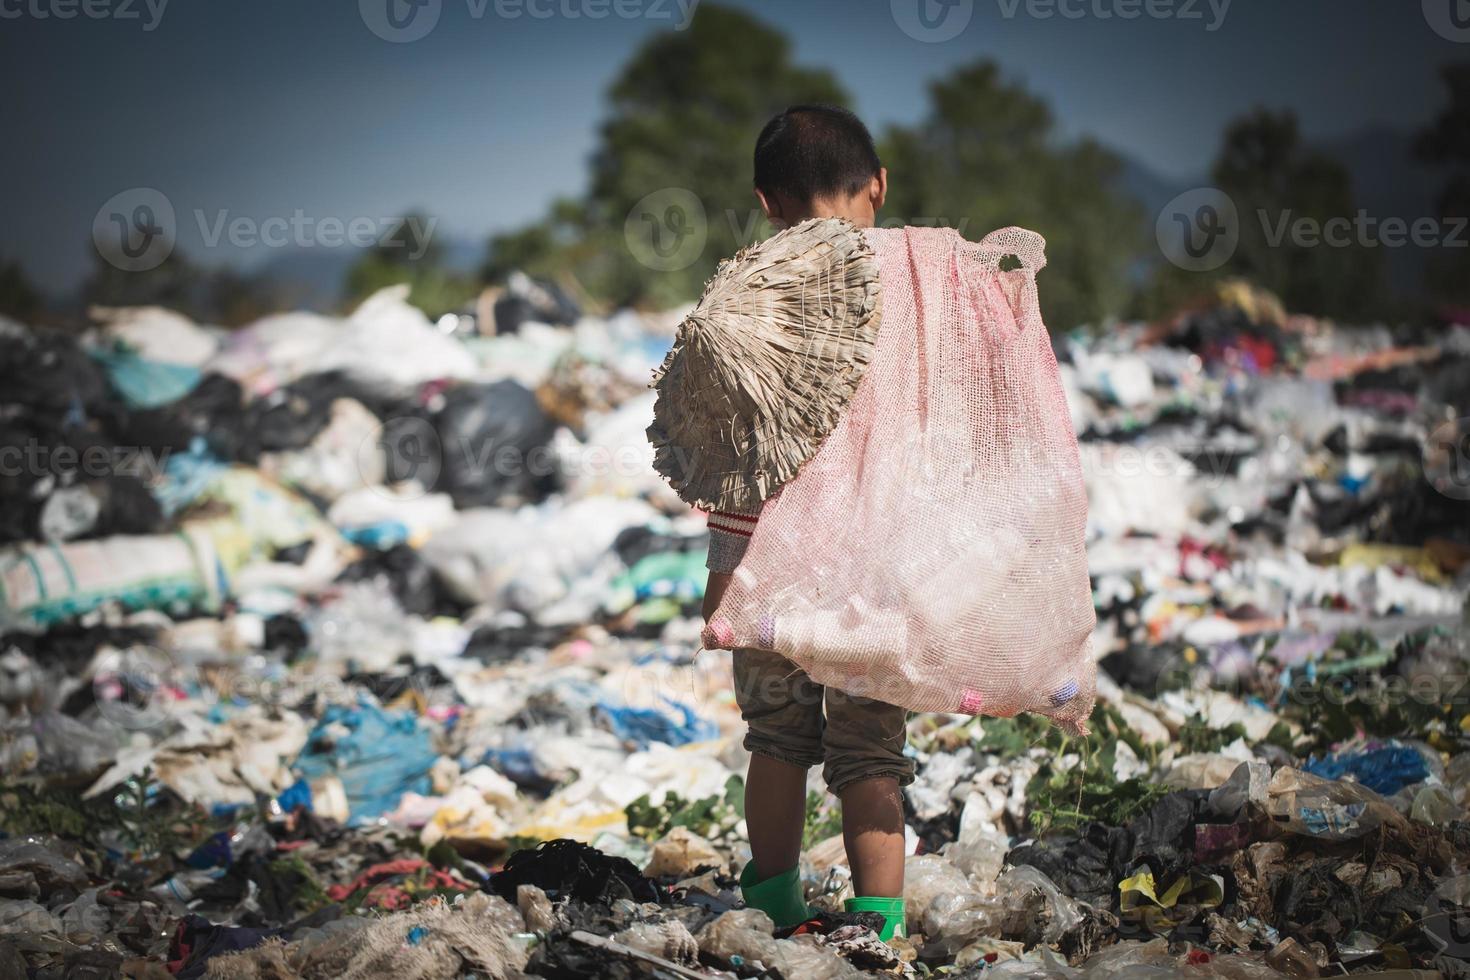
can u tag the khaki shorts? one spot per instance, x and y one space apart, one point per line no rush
856 738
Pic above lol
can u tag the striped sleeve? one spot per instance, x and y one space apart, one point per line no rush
729 534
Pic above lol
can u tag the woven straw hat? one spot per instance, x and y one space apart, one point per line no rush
762 369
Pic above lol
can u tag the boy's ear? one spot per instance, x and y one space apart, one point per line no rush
878 192
771 207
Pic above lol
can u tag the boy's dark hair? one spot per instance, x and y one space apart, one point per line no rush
815 151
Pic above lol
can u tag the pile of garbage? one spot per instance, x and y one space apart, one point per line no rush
348 646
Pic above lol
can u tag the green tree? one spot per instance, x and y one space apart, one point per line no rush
409 253
219 296
176 283
19 299
684 115
1446 142
1274 181
987 156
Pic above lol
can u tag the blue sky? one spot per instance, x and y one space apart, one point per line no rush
260 108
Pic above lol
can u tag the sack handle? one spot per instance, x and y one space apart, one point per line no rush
1028 247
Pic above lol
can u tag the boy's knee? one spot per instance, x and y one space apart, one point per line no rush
864 740
781 707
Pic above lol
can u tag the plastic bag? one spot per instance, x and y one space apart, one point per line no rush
745 934
45 584
931 554
495 445
1329 809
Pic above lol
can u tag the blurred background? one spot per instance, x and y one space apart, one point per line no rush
527 134
335 575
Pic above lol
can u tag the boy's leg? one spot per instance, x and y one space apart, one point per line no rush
783 710
775 812
865 767
872 830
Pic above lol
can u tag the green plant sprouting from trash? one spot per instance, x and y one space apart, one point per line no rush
1076 780
714 817
137 817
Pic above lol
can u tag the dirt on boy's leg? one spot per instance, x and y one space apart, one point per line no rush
872 829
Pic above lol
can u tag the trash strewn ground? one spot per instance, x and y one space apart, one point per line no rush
367 646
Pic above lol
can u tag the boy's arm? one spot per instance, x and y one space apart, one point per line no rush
729 534
714 591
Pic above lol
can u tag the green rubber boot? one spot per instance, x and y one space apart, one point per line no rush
779 897
890 908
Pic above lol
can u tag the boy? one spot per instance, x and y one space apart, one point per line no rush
814 161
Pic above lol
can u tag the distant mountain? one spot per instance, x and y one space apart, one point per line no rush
1388 182
313 277
1151 189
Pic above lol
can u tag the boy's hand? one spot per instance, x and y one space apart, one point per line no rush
714 591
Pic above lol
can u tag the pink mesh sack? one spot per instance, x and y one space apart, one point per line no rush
931 553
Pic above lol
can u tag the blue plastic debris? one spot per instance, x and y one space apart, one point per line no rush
213 853
186 476
1385 769
381 536
144 383
644 726
516 764
377 755
297 794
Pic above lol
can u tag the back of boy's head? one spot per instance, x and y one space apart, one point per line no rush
812 152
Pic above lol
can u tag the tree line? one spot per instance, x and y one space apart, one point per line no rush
684 114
